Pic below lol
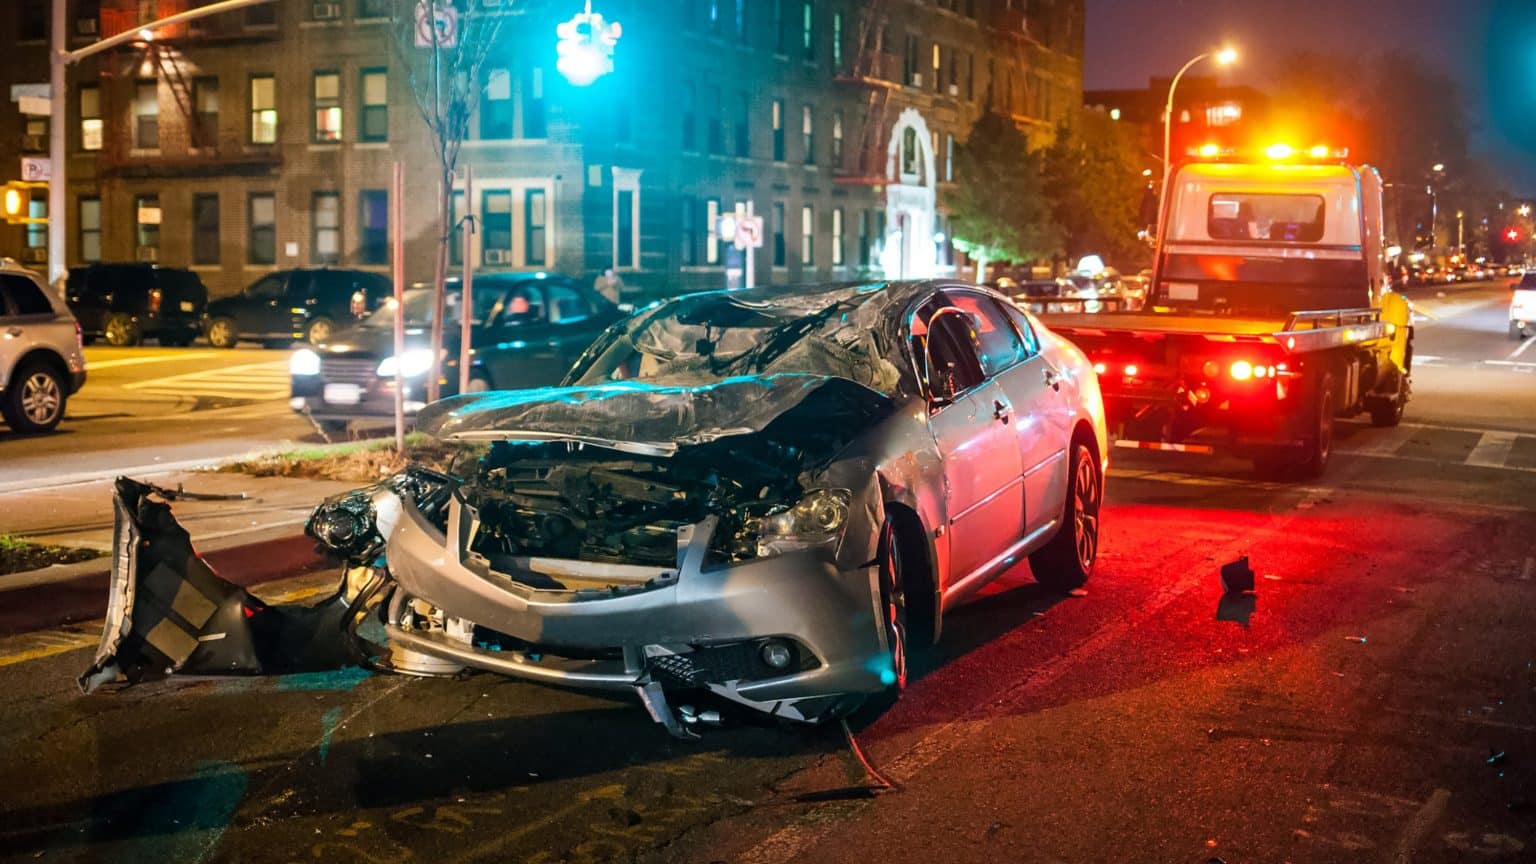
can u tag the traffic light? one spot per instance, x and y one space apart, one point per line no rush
585 49
16 201
1512 235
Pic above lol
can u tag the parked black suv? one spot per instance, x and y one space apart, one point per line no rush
307 304
125 303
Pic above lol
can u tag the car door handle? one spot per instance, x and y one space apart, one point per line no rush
1000 410
1053 379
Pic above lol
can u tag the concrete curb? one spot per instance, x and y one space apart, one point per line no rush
65 598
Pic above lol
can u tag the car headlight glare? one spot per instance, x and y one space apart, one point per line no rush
817 517
411 364
304 362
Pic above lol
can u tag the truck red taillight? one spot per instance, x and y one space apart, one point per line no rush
154 300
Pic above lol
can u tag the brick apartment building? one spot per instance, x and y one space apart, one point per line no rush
264 138
1205 111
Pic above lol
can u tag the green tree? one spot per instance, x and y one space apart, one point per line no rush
999 211
1093 179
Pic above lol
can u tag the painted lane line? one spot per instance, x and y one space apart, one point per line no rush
1492 449
1523 346
1517 364
1417 827
277 369
93 365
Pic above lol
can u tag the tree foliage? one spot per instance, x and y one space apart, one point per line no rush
1093 180
999 211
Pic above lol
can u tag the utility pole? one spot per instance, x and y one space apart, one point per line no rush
59 59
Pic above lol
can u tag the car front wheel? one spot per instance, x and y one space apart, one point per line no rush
35 401
222 333
1067 560
120 331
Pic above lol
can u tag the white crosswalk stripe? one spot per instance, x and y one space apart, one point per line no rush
252 381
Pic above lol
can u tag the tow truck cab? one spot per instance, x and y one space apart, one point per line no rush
1270 312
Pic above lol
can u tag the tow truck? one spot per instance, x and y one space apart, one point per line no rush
1270 314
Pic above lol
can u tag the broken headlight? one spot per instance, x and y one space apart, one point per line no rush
817 518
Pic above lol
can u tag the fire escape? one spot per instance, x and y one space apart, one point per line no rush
876 72
194 146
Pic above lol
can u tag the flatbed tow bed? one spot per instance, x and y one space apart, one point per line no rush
1219 361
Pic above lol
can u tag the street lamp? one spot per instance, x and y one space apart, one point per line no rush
1525 210
1223 57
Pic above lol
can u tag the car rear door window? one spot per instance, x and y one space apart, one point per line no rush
944 349
1026 329
566 305
522 306
23 296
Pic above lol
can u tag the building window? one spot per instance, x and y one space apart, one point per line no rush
87 18
743 126
146 115
740 7
496 217
778 130
205 99
712 231
716 121
496 104
690 232
37 208
261 241
535 212
90 230
837 40
864 232
778 234
837 236
326 231
205 228
909 151
146 221
534 125
807 236
914 75
949 157
808 30
780 24
374 8
456 238
33 26
90 117
326 101
713 13
373 226
837 138
624 228
808 134
1224 114
35 137
375 107
938 66
263 109
690 97
970 76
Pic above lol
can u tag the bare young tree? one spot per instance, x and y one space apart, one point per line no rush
442 44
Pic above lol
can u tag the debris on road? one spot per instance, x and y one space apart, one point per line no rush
1237 576
1360 639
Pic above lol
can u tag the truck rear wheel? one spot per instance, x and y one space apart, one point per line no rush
1319 445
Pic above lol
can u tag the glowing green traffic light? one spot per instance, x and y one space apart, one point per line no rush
586 45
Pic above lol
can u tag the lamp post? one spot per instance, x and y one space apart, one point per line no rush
1437 170
1224 57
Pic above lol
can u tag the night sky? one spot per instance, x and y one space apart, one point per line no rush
1489 46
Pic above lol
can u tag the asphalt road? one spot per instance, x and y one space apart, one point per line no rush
1375 701
152 406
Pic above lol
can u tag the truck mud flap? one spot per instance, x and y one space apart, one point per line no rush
168 612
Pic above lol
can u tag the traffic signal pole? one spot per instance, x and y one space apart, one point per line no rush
59 60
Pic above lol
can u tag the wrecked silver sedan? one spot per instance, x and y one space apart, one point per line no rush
767 495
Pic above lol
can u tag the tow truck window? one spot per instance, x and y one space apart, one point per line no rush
1265 216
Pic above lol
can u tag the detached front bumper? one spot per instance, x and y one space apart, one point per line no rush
699 625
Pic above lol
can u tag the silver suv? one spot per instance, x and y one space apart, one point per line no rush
41 364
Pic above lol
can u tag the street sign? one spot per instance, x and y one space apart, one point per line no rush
29 91
749 232
36 169
34 107
437 23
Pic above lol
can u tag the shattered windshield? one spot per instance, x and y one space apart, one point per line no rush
702 339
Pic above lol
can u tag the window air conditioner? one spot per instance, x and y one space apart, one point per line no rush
325 11
38 255
498 256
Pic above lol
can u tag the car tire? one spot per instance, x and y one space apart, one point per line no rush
1319 443
35 401
1067 560
479 384
319 331
1386 413
222 333
893 608
120 331
334 427
1516 332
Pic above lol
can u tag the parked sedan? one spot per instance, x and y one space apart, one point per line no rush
527 330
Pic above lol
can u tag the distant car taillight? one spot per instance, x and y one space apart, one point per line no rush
154 300
359 304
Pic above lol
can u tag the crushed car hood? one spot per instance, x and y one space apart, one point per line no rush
635 416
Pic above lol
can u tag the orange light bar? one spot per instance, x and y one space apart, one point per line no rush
1280 151
1321 151
1208 151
